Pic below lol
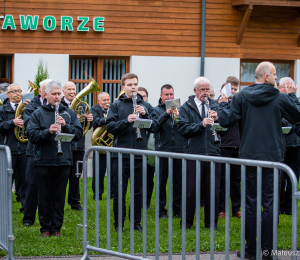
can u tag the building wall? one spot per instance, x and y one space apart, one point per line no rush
25 67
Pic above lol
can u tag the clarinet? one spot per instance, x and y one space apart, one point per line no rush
138 130
59 151
217 139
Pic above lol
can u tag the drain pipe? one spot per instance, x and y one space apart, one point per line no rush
203 38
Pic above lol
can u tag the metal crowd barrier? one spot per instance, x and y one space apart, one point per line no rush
6 231
183 157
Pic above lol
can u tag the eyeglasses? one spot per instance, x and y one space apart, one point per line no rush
15 91
204 90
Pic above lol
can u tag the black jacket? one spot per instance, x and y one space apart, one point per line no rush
45 145
197 138
98 116
123 131
7 115
259 109
167 137
78 145
34 104
291 140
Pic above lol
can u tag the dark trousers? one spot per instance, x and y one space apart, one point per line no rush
191 191
251 208
150 183
235 181
52 185
19 165
177 184
138 182
102 171
74 193
31 199
292 159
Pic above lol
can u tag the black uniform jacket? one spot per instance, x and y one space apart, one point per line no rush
7 115
123 131
292 139
78 145
197 138
167 137
259 109
45 145
98 116
34 104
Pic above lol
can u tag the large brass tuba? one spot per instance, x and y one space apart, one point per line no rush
91 87
101 137
20 131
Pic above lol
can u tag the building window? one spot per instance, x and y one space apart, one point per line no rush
283 69
6 69
107 72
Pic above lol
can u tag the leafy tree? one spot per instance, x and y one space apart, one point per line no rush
42 73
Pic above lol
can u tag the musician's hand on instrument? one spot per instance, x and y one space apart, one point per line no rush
213 114
207 121
140 110
291 88
54 128
223 98
175 112
169 111
61 121
26 102
18 121
89 117
132 117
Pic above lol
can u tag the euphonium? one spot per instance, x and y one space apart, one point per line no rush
91 87
20 131
101 137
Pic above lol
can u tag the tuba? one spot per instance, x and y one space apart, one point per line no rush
101 137
91 87
20 131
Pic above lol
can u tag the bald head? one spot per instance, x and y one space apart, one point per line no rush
69 91
266 73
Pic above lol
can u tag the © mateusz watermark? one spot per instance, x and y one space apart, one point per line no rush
280 253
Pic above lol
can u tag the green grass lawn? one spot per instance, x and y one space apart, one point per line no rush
29 243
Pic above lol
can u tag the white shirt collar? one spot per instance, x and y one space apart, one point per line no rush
13 105
41 100
68 102
197 101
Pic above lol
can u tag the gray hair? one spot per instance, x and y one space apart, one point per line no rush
44 82
200 79
11 85
53 84
101 94
3 86
285 80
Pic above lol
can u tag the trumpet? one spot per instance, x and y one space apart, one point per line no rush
217 139
138 130
59 150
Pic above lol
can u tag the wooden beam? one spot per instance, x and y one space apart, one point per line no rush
286 3
243 25
299 41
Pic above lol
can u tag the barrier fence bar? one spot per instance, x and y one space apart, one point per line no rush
259 165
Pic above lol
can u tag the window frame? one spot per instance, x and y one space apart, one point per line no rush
10 72
98 70
291 62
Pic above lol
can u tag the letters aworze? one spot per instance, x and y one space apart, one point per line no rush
30 22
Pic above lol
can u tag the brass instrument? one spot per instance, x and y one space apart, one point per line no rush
217 139
1 103
175 113
91 87
20 131
101 137
59 150
138 130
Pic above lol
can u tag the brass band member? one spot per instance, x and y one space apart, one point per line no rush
99 113
194 124
31 199
18 149
119 122
78 148
53 170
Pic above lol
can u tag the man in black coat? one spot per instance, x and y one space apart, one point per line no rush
31 199
18 149
259 109
53 169
168 139
78 148
119 122
194 124
99 113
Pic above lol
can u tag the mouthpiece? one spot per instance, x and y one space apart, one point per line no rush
107 104
72 95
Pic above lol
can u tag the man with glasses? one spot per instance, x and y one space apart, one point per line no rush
194 124
18 150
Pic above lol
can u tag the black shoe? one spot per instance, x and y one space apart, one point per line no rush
163 215
27 224
138 228
79 208
247 256
117 229
266 257
22 210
